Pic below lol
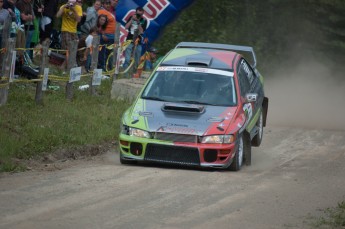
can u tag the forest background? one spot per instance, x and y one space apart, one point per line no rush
283 33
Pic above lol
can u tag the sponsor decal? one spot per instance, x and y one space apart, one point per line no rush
215 119
193 69
145 114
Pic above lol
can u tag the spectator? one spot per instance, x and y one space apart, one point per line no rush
88 50
136 26
15 15
18 32
46 25
108 36
27 17
71 14
113 5
91 18
38 11
102 23
4 15
82 19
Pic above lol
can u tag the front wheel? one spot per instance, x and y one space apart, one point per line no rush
238 159
243 153
127 162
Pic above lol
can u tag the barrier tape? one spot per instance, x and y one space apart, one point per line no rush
4 85
123 46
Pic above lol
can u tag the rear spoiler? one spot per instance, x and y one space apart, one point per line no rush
236 48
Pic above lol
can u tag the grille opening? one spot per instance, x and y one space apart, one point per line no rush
124 149
172 154
136 148
210 155
175 137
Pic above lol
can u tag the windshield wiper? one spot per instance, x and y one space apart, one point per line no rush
153 98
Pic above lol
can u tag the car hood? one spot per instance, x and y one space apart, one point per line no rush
179 118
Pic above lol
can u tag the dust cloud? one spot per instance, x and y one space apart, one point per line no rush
310 95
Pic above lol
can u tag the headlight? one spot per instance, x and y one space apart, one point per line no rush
226 139
124 129
139 133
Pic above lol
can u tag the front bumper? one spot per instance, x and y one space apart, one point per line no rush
180 153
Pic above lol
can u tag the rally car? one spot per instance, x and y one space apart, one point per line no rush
204 105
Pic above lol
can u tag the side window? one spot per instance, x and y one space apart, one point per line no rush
243 77
249 72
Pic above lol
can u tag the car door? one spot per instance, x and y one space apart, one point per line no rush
249 82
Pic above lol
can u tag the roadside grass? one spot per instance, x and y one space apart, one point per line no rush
333 217
28 130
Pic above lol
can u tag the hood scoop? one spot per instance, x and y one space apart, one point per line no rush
185 108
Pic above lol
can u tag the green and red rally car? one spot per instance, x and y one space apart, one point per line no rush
204 105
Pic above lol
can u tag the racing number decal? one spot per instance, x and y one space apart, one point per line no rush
248 111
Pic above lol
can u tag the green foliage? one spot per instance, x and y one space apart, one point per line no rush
28 129
335 217
278 30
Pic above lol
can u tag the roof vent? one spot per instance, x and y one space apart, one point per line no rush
204 62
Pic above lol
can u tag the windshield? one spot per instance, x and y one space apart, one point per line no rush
192 85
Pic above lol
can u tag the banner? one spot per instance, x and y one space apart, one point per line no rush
157 12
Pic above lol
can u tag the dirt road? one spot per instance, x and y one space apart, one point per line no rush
294 174
298 170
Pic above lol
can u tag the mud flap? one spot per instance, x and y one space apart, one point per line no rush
264 110
247 147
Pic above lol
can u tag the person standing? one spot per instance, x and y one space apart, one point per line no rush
17 31
136 26
113 5
46 25
38 11
27 17
4 15
108 36
88 50
71 14
91 18
10 5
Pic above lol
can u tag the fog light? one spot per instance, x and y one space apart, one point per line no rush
210 155
136 148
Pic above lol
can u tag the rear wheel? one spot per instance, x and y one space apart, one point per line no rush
256 141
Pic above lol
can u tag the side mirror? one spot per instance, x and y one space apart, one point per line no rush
251 97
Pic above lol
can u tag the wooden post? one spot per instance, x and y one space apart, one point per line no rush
116 54
44 57
71 62
94 61
6 61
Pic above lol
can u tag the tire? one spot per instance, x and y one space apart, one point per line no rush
239 155
256 141
127 162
